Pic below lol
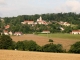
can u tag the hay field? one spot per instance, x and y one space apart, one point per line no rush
26 55
41 40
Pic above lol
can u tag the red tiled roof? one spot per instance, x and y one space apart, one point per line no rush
76 31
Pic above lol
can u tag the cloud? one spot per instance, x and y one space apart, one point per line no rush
2 2
74 5
21 7
69 6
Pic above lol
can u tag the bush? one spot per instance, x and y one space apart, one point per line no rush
30 45
52 48
13 46
20 45
50 40
27 45
75 48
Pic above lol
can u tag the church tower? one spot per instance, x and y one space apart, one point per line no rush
40 18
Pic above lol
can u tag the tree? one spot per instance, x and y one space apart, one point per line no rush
31 45
27 45
5 42
75 48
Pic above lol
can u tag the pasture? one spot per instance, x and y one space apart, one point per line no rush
26 55
42 39
62 35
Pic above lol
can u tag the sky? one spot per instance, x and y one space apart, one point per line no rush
10 8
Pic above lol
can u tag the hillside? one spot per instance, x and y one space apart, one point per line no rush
26 55
55 23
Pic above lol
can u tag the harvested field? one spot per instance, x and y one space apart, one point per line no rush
25 55
41 40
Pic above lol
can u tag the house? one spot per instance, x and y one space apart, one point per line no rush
7 26
17 33
75 32
2 20
10 33
45 31
28 22
5 32
64 23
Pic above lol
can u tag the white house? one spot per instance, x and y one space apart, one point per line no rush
10 33
45 32
28 22
5 32
64 23
75 32
17 33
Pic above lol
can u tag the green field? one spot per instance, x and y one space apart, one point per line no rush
61 35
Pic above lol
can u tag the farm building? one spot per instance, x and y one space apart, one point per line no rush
75 32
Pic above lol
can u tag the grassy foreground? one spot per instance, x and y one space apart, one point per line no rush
61 35
26 55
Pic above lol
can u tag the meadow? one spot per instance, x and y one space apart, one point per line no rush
62 35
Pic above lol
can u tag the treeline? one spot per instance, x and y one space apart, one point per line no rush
7 43
68 17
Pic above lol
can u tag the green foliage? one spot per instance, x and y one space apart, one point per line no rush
50 40
68 29
30 45
27 45
20 45
52 48
5 42
75 48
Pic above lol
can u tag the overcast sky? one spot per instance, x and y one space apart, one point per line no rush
9 8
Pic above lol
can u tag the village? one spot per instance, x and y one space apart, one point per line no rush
39 21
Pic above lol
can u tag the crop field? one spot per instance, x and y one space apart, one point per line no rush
43 39
26 55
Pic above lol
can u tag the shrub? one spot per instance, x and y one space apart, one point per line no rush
30 45
50 40
52 48
20 45
27 45
75 48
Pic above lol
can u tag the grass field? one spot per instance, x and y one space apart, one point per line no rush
62 35
26 55
43 39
